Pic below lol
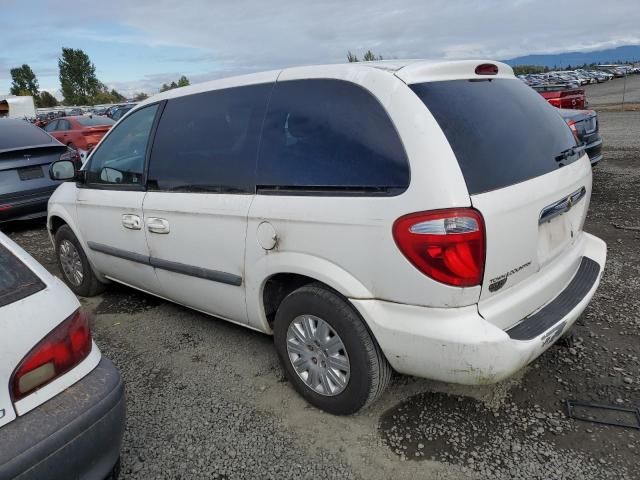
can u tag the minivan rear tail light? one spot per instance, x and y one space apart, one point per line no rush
487 69
446 245
61 350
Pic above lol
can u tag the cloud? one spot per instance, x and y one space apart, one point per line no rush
159 40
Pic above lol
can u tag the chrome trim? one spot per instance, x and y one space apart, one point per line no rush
561 206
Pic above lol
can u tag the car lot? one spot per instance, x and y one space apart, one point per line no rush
207 399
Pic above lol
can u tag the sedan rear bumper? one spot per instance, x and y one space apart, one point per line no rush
77 434
594 150
25 206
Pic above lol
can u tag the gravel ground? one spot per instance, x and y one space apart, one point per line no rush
610 93
207 399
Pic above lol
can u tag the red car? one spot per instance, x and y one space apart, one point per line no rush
80 132
561 97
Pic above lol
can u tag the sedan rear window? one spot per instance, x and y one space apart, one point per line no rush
18 133
17 281
94 121
501 131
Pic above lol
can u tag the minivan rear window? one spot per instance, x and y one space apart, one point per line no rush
501 131
329 136
17 281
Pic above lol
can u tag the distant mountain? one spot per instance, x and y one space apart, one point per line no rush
629 53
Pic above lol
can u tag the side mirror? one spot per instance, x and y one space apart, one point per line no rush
63 170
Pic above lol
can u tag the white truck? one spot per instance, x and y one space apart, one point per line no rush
13 106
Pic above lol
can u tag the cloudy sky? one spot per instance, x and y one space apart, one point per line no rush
137 45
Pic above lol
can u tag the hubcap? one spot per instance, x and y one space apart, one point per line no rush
71 262
318 355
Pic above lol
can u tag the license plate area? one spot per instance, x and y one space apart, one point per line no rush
30 173
558 234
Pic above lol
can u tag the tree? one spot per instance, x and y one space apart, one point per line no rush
183 81
140 97
24 81
117 96
526 69
78 80
100 98
46 100
369 56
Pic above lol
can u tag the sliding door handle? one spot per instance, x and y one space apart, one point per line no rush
132 222
157 225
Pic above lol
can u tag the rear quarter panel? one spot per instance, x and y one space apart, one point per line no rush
347 241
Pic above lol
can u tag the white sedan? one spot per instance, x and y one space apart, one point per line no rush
62 405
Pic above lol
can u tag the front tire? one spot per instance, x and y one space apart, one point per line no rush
327 352
74 265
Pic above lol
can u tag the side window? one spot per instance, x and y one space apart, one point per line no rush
208 142
63 125
51 126
120 158
329 135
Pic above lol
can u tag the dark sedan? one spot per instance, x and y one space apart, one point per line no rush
26 152
584 125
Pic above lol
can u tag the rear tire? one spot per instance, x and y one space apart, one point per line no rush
74 265
366 372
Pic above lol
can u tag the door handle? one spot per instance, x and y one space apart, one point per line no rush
157 225
132 222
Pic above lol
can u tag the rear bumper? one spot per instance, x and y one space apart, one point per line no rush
77 434
458 345
25 206
594 150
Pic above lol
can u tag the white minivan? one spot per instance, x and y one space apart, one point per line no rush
423 217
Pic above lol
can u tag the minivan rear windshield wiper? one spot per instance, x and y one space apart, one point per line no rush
569 152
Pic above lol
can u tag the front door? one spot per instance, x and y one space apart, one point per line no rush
109 204
200 187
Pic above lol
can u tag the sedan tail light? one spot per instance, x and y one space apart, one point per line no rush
574 130
72 155
446 245
61 350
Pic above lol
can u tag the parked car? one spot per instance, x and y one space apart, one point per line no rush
111 110
584 125
72 112
80 132
120 112
371 217
26 152
62 405
562 97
